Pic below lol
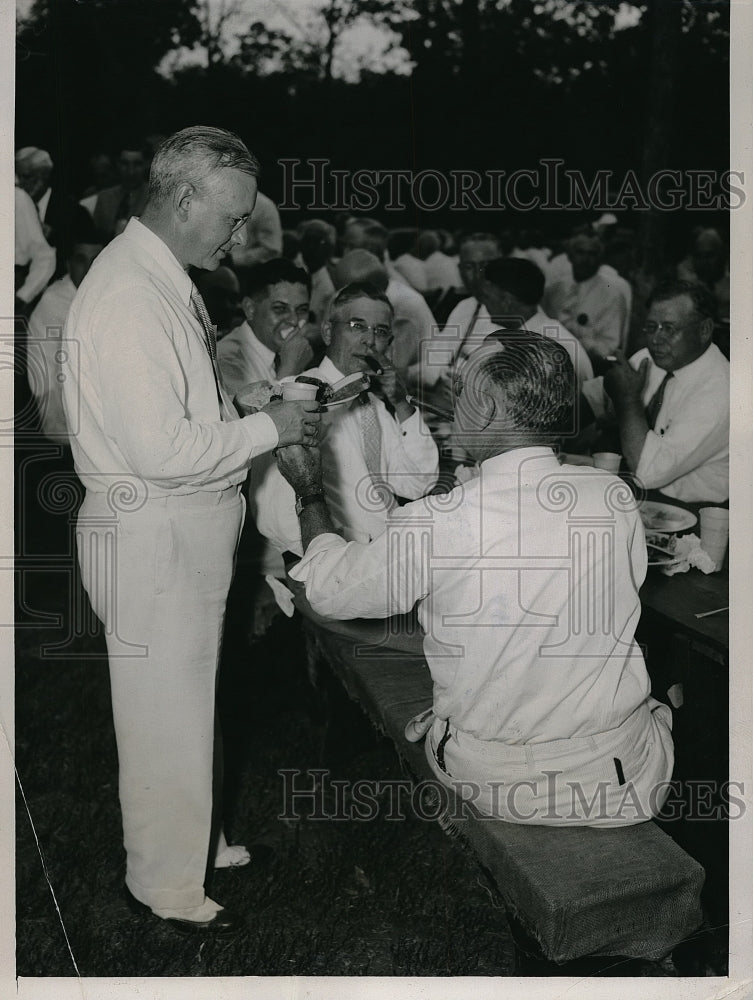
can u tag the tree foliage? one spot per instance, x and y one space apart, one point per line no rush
495 84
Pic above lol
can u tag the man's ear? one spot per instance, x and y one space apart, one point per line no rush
327 332
706 331
249 308
182 198
488 408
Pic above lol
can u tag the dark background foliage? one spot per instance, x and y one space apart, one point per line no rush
496 84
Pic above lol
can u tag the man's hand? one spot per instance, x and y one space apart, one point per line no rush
623 383
295 355
302 467
391 387
296 422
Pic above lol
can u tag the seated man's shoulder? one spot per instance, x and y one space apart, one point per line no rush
462 311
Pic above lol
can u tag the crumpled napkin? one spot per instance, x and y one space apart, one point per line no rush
283 596
688 548
465 473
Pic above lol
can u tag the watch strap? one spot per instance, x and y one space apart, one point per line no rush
305 501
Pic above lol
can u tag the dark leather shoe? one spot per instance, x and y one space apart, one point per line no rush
223 924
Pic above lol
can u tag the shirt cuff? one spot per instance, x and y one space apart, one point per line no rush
262 431
322 543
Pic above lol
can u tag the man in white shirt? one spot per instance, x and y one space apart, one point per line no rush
270 344
34 258
162 453
46 325
541 694
374 449
672 398
441 271
263 235
469 322
592 306
511 289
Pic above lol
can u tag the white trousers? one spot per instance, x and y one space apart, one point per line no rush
157 576
617 778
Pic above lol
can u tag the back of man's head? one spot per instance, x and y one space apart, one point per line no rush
427 243
358 266
366 234
257 281
536 377
193 155
30 157
518 277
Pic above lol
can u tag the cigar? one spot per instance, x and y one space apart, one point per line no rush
442 414
376 368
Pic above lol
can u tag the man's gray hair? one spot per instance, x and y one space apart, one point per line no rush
31 156
192 155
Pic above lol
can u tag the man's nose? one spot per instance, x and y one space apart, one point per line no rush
240 237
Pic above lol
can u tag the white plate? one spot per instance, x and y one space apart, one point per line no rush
664 518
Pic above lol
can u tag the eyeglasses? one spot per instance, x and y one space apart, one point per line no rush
669 329
238 224
361 329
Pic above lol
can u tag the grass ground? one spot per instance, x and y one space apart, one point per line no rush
341 898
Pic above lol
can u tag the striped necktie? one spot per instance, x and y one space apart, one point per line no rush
227 411
654 404
371 441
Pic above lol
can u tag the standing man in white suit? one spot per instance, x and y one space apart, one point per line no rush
162 454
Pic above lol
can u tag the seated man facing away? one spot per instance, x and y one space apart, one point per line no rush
672 398
541 694
374 449
270 344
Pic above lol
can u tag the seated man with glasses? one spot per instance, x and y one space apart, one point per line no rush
375 447
671 399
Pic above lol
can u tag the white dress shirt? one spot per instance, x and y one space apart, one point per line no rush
548 327
413 323
322 293
140 394
412 269
441 272
46 325
595 311
466 327
526 580
687 454
263 234
244 359
409 465
42 204
31 248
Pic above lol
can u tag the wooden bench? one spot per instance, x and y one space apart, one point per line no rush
626 892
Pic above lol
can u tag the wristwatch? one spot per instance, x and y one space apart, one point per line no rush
301 502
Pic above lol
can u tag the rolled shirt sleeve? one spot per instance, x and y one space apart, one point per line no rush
347 580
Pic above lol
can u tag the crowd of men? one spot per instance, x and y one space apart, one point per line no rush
185 295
